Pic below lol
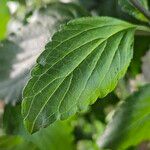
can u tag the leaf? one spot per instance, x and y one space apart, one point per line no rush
130 124
15 143
83 62
4 17
129 8
59 132
98 109
8 50
10 126
141 45
18 55
87 144
7 59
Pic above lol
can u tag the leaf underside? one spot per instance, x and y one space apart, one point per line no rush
83 62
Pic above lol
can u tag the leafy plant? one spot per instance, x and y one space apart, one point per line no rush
86 75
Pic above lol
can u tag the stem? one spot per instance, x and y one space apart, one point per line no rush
138 5
143 30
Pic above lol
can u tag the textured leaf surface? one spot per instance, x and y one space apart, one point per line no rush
26 45
83 62
131 122
129 8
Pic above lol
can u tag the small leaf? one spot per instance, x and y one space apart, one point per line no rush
59 132
131 122
15 143
129 8
141 46
83 62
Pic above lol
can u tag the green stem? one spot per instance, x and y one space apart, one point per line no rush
138 5
143 30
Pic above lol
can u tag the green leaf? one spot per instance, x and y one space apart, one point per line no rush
18 55
10 87
12 140
4 17
129 8
98 109
7 59
130 124
87 145
83 62
141 45
15 143
59 132
145 66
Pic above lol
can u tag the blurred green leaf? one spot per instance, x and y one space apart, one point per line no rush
128 7
19 53
107 8
87 145
9 141
60 132
130 124
12 120
4 18
98 109
56 137
146 66
8 50
141 45
15 143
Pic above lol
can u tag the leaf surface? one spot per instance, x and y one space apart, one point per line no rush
83 62
130 123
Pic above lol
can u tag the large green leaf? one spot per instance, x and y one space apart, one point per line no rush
128 7
131 122
83 62
4 17
19 54
141 45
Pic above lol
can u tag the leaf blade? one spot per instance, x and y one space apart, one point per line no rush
81 56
